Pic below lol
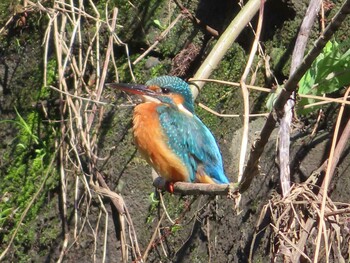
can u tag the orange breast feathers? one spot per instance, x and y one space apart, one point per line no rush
152 144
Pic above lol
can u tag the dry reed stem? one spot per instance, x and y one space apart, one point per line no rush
338 100
95 234
151 242
230 115
162 243
236 84
328 177
245 94
308 228
285 238
164 208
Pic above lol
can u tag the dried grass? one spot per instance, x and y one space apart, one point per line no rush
294 221
81 115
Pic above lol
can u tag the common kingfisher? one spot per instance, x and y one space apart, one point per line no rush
169 135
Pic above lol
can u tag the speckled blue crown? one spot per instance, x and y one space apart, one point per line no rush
175 85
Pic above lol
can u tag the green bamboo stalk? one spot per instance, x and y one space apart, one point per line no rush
224 43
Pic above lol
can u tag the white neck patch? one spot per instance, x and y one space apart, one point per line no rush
179 106
184 110
150 99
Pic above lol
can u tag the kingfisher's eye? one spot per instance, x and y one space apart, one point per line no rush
165 90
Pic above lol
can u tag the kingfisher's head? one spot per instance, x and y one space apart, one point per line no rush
165 89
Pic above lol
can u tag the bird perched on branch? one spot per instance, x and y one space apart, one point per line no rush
170 136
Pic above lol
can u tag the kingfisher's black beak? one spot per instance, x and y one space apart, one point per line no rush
137 89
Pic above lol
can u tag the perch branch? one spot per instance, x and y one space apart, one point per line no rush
184 188
290 86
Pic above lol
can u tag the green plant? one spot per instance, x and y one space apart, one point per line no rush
25 166
154 202
175 229
272 97
158 24
327 74
14 179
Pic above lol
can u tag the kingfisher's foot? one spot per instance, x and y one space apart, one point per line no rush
169 186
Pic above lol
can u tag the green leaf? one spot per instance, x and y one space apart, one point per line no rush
175 228
328 73
159 24
272 97
153 198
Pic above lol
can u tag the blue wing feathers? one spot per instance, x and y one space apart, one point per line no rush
192 141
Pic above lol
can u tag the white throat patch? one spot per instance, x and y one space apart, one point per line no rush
150 99
184 110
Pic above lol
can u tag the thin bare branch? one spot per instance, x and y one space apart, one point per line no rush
286 120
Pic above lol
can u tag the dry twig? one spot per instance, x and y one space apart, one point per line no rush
323 100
